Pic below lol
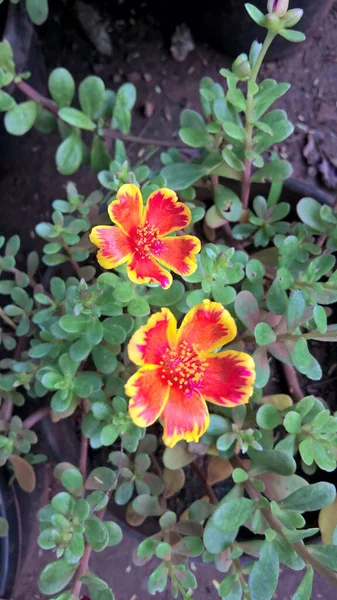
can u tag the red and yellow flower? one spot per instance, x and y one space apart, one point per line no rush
140 240
180 371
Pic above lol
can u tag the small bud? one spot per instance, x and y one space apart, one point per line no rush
292 17
241 67
273 22
278 7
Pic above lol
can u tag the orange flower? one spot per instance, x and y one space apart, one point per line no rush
180 370
140 238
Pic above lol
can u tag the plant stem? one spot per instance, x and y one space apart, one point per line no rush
275 524
7 319
35 417
116 135
108 133
292 380
208 489
84 564
245 188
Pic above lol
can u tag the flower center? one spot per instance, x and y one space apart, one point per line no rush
146 241
183 368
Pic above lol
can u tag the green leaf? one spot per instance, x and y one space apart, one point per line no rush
196 138
114 532
316 496
304 590
72 324
72 480
234 131
295 310
255 14
265 573
147 506
308 210
37 10
99 155
292 35
101 478
232 159
269 91
124 493
325 554
264 334
104 359
158 580
227 203
96 534
177 457
91 95
80 350
138 307
55 576
320 318
109 435
232 514
180 176
160 297
21 118
6 101
268 417
276 170
75 117
218 425
63 503
292 422
94 332
189 546
274 461
61 86
69 154
124 102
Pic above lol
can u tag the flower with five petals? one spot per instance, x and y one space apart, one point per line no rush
180 371
140 237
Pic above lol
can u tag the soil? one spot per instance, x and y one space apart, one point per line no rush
29 182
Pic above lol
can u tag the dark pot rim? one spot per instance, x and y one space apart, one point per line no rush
10 545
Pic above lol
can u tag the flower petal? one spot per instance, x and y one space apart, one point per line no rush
229 378
178 254
165 212
113 243
148 396
147 270
126 210
207 326
185 417
149 342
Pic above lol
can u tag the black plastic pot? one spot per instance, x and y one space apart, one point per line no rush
10 547
226 24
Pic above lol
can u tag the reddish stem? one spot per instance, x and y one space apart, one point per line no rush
83 456
209 490
37 97
35 417
292 381
84 564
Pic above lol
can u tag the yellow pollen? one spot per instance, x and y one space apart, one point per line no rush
183 367
146 241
